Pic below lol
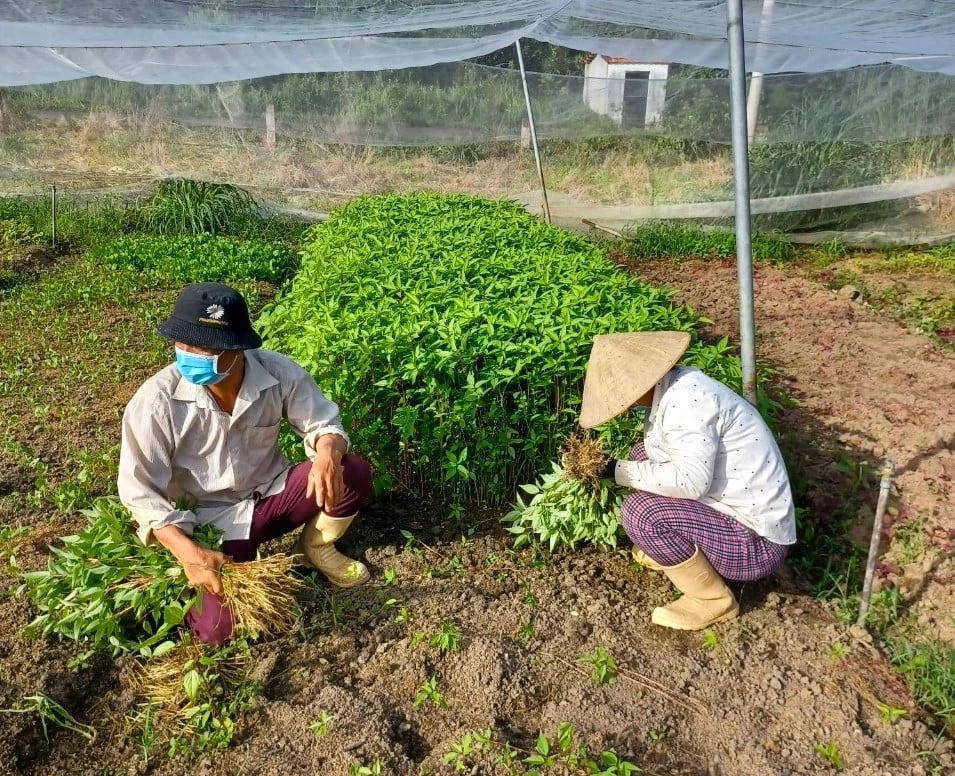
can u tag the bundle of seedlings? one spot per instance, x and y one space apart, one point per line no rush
191 695
105 589
571 504
261 594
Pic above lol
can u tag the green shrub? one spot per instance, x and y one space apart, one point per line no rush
104 588
671 240
197 259
454 332
180 206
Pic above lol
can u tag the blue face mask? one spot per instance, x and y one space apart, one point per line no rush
200 369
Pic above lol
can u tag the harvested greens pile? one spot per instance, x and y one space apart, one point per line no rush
571 504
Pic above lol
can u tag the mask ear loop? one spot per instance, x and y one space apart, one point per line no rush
215 364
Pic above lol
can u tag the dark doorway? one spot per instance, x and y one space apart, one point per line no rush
636 87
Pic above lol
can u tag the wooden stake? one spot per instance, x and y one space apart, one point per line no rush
885 486
270 127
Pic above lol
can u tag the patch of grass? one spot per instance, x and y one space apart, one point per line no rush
180 207
927 666
674 240
938 259
909 541
78 224
198 259
16 232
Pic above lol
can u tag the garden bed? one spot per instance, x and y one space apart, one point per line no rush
460 635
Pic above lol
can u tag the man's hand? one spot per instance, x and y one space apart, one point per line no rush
326 478
202 566
202 569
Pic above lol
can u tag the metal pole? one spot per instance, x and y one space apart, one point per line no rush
53 213
885 487
756 82
744 249
530 122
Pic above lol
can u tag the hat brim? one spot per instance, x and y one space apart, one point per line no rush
208 337
625 366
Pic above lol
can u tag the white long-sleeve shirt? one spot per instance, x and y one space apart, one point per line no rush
707 443
179 449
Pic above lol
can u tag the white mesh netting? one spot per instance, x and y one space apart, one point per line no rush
315 102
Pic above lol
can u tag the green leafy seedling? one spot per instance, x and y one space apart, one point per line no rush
320 726
446 639
603 668
429 692
831 752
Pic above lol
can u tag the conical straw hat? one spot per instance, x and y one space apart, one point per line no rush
623 367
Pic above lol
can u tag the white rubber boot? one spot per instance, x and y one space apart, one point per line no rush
316 545
706 599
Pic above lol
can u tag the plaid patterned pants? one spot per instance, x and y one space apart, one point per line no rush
670 529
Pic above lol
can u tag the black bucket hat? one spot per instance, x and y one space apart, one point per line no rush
212 316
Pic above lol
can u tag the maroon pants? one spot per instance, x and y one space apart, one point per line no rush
211 620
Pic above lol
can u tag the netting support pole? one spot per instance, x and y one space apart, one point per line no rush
756 81
53 214
744 248
530 123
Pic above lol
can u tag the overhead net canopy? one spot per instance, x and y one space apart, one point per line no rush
315 102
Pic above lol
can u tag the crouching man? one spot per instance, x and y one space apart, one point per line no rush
200 445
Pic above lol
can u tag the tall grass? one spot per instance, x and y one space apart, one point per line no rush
671 240
180 207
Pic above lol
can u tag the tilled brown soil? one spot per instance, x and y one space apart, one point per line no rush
865 383
758 697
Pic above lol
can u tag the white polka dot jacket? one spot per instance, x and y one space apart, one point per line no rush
706 442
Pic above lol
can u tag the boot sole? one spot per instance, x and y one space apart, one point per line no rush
730 615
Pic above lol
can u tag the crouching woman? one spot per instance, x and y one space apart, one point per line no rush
711 494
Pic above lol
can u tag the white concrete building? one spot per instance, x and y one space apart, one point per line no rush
631 94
